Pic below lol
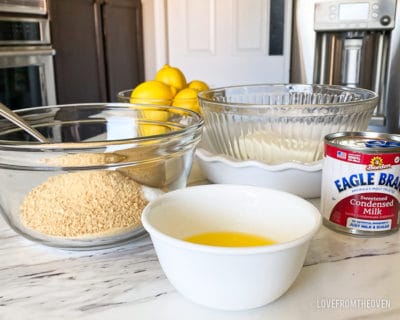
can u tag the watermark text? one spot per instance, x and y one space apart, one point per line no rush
363 303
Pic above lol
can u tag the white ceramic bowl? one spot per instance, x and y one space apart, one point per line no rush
302 179
231 278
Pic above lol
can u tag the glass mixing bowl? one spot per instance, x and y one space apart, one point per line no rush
86 188
283 122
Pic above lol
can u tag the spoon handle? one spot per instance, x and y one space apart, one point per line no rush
17 120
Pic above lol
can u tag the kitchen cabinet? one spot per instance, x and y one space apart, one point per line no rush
99 48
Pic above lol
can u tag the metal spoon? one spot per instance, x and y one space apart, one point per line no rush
16 119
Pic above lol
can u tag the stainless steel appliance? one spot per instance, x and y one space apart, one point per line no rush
26 62
24 6
352 43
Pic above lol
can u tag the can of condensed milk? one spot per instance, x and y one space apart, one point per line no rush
361 183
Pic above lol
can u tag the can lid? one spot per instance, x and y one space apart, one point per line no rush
365 141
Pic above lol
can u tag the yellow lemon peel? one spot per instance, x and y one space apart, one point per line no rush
171 76
187 98
198 85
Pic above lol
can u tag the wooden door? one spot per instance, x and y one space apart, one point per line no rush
123 43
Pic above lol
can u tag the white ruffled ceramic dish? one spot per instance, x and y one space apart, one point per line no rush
303 180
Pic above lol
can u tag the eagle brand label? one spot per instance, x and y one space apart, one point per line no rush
361 183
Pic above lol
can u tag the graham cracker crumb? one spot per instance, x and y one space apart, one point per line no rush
84 203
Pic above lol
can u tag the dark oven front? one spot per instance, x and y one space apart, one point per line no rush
26 63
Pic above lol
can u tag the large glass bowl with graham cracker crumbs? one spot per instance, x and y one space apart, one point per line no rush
104 162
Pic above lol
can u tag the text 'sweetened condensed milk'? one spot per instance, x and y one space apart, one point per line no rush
361 183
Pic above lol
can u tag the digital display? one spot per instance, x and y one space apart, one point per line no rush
353 11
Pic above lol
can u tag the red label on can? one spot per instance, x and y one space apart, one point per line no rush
383 159
367 211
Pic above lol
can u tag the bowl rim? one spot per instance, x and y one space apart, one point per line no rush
17 145
154 232
126 96
203 95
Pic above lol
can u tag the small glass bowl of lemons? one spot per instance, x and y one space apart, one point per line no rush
169 88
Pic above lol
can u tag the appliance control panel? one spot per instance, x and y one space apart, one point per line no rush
354 15
24 31
24 6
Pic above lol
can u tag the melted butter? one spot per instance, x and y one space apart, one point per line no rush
229 239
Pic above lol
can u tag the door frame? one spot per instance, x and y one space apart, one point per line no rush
155 36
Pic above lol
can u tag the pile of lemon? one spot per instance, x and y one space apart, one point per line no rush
169 88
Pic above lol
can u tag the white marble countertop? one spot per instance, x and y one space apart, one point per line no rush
343 277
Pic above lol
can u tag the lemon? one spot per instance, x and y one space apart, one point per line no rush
152 92
198 85
173 90
171 76
187 98
148 129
